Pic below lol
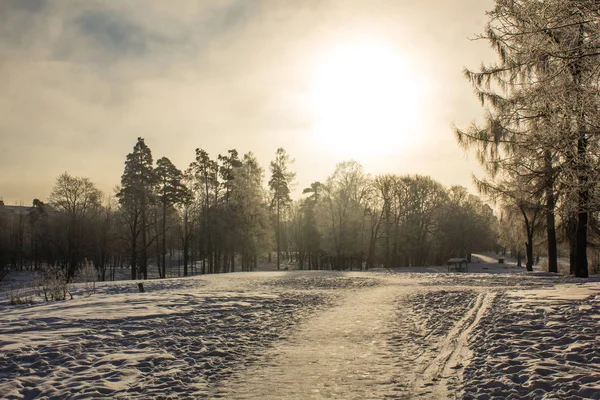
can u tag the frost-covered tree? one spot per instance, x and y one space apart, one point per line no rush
542 99
342 214
252 233
280 185
205 187
227 172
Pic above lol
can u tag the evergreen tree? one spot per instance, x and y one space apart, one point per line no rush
136 195
204 174
170 192
311 238
280 185
227 171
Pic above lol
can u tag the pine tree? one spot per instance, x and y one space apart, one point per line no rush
136 195
227 171
311 240
280 185
170 192
205 175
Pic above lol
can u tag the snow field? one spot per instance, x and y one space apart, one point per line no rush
310 335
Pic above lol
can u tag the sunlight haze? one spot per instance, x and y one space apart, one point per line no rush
376 81
367 100
300 199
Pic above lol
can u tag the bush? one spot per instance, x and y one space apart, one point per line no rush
88 276
55 284
20 295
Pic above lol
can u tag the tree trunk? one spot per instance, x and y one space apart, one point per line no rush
164 240
581 263
157 248
278 236
186 259
144 264
551 233
529 251
133 259
186 245
550 219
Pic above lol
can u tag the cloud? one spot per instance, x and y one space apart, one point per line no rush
116 34
83 79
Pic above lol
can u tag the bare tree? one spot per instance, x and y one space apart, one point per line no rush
75 198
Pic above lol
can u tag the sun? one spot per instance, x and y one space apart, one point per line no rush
365 100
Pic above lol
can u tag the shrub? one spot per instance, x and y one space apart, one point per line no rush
20 295
88 276
55 284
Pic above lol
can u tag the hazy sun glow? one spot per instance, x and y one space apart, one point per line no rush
365 100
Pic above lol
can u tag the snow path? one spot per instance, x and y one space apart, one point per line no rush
350 351
340 353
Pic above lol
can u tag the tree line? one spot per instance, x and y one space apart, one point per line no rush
540 144
219 215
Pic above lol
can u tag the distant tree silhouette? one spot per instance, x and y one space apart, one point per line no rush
204 178
280 185
227 171
136 195
226 217
250 212
75 199
171 191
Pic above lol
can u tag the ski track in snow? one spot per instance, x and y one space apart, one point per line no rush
527 348
310 335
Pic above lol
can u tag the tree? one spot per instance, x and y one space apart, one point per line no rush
227 171
252 220
38 230
75 198
511 235
466 224
543 106
170 192
309 237
106 234
280 185
135 196
204 178
344 201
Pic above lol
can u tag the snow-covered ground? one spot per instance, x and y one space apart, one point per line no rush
495 332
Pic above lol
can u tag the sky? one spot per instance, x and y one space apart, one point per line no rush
377 81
